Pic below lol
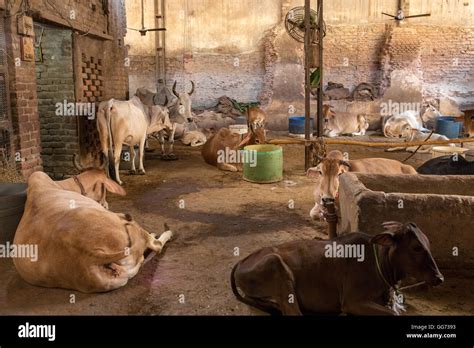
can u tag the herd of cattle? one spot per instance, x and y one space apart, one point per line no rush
84 246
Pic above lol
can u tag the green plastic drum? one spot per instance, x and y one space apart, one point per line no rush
263 164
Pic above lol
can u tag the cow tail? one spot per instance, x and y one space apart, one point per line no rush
248 301
110 154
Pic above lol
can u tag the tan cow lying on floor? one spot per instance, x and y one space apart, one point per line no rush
328 170
336 124
81 245
224 141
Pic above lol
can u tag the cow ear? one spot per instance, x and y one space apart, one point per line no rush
113 187
385 238
313 172
245 140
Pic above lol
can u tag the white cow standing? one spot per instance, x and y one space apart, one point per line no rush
128 122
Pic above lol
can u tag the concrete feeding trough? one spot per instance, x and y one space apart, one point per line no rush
442 206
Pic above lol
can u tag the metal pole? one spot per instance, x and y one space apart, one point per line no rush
307 72
320 60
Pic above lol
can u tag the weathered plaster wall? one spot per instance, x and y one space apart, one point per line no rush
242 50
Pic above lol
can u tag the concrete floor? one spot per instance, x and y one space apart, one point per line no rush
221 213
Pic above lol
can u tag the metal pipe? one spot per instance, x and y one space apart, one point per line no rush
320 60
307 72
331 218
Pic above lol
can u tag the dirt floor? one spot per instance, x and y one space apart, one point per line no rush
222 214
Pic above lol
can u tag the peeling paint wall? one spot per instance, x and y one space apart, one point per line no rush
242 50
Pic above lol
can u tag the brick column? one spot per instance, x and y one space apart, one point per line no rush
24 103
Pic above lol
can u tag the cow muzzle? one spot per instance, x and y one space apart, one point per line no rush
437 280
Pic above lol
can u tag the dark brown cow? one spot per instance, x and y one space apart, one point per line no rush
301 278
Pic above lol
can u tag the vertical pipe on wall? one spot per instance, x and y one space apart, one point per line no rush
307 90
320 60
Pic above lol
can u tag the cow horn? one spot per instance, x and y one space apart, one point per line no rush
192 88
77 165
345 163
174 89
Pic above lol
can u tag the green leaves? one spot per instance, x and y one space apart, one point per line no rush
315 78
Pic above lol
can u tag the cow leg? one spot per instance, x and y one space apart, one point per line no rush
117 156
227 167
171 141
269 283
394 149
423 149
133 171
141 154
366 308
161 136
157 244
316 212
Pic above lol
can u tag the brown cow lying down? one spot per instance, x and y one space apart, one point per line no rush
81 245
224 141
306 277
328 170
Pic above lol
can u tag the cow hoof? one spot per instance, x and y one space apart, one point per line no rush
132 172
172 157
141 172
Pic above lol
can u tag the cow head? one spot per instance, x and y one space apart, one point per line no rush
184 102
394 128
430 114
327 172
254 136
407 132
328 117
409 253
93 183
159 118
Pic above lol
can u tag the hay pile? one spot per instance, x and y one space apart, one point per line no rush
9 173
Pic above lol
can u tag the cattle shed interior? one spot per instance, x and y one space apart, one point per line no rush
67 65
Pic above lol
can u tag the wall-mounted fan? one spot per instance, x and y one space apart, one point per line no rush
294 24
400 16
144 30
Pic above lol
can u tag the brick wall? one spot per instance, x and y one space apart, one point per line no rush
97 30
55 84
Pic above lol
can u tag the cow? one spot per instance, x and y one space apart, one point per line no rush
430 117
410 134
225 140
301 277
92 182
180 111
394 125
128 122
81 245
329 169
343 123
197 137
256 118
447 165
